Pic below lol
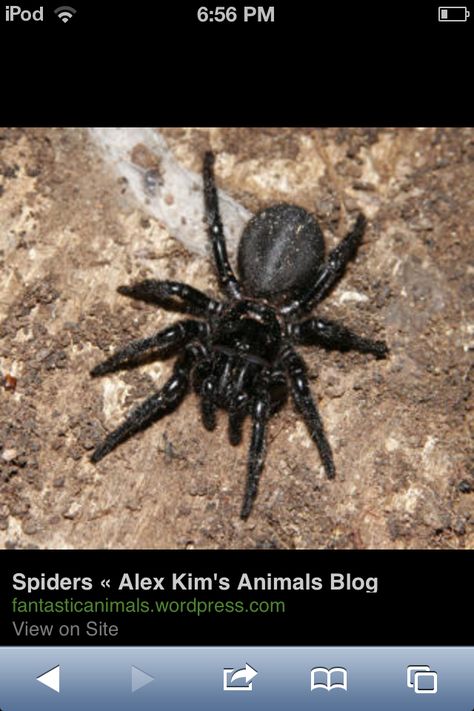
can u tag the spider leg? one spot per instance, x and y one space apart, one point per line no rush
330 334
237 413
163 293
226 275
179 334
331 271
268 401
305 405
239 401
278 390
204 384
260 415
208 403
155 407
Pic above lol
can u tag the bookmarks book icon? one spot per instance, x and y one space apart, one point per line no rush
329 679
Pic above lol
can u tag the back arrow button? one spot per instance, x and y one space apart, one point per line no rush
50 678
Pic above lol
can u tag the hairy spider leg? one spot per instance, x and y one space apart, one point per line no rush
238 401
157 292
330 334
271 393
209 377
278 389
214 387
207 380
304 403
260 415
155 407
179 334
331 271
238 410
208 404
227 278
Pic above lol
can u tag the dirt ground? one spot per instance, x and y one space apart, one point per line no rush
399 428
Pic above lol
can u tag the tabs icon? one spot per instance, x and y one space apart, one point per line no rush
422 679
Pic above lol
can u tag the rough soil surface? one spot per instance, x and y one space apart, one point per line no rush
399 428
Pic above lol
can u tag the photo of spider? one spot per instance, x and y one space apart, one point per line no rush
330 233
239 353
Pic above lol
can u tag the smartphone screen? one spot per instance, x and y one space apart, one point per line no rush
236 357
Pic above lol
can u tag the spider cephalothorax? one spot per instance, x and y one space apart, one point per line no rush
238 355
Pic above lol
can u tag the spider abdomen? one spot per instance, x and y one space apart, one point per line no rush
280 252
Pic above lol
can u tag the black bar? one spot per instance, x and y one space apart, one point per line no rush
314 64
422 598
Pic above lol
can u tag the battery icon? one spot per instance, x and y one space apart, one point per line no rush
453 14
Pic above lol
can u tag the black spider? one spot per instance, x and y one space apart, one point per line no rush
240 357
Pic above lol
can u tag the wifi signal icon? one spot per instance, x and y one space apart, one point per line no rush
65 12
